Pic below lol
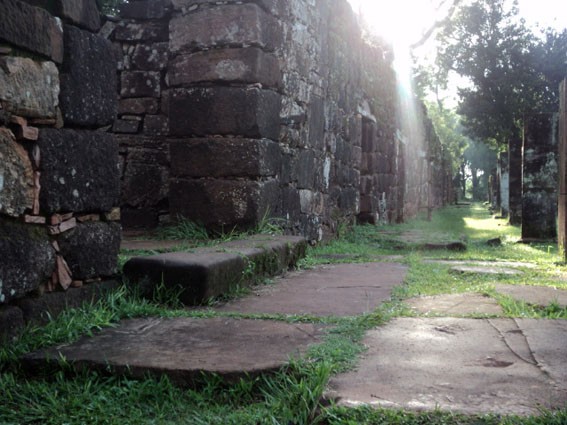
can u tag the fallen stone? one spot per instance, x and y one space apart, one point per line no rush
455 305
494 242
209 272
490 366
29 88
486 270
333 290
536 295
16 176
185 349
451 246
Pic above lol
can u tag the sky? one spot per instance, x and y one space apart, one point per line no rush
404 21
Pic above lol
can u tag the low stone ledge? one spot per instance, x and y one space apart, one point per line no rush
210 272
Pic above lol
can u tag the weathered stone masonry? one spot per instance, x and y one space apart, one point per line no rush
59 176
231 110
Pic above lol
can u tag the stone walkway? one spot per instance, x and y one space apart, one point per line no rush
501 366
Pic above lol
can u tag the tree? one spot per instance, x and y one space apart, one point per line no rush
511 71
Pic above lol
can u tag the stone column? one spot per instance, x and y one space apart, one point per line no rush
515 180
504 178
539 186
562 213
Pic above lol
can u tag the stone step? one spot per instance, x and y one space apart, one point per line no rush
205 273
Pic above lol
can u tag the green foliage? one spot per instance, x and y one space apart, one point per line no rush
110 7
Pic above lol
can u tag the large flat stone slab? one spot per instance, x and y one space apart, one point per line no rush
487 270
455 305
184 348
507 264
205 273
537 295
332 290
501 366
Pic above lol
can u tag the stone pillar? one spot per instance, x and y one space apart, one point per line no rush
515 180
562 212
504 178
539 186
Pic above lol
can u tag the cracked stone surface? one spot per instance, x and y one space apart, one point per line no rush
538 295
331 290
455 304
501 366
184 348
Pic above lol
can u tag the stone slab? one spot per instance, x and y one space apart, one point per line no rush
455 304
209 272
486 270
184 348
333 290
500 366
537 295
506 264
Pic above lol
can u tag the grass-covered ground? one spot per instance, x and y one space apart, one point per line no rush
294 395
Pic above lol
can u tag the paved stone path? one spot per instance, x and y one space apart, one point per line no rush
501 366
332 290
537 295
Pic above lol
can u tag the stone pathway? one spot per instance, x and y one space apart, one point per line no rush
333 290
536 295
500 366
455 305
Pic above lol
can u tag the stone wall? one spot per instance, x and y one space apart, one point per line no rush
59 176
230 111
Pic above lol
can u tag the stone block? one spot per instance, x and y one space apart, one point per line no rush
28 259
250 65
126 126
29 88
138 106
83 13
140 84
305 169
317 123
79 171
225 26
240 158
247 112
156 125
11 323
139 218
16 176
88 80
150 57
275 7
144 31
40 310
91 249
224 204
145 9
31 28
144 184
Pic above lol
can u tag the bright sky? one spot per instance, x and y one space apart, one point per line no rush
403 21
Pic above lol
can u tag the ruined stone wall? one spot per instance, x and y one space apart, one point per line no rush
59 177
230 111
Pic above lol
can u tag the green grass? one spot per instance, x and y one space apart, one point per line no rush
293 395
